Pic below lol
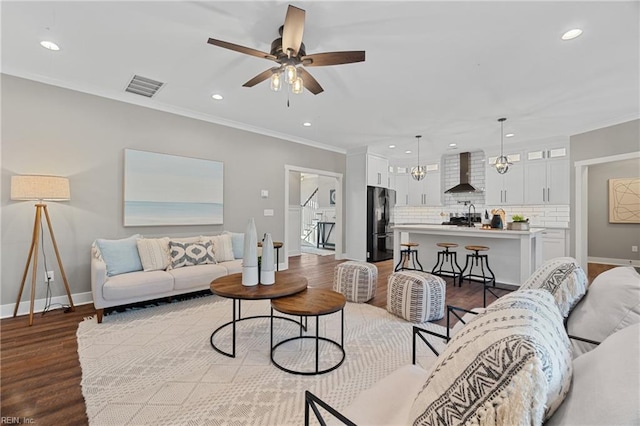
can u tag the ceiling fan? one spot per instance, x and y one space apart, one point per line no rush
289 52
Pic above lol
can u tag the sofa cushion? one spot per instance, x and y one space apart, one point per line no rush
611 304
564 278
237 241
196 277
606 384
154 253
120 256
222 247
190 254
232 267
389 400
509 365
137 284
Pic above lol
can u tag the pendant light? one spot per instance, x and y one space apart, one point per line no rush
502 163
418 172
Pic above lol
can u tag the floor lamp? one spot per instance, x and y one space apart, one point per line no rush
40 188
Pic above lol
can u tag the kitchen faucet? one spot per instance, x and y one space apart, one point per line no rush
469 214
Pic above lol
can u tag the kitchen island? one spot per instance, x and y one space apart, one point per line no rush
513 255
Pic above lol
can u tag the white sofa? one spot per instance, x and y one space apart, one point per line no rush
117 289
605 381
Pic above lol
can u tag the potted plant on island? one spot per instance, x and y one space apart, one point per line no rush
520 223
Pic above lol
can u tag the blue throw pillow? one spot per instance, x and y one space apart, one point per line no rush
237 241
120 256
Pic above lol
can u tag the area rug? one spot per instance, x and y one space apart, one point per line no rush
156 366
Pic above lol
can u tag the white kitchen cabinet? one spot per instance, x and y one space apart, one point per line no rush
554 244
401 186
547 177
508 188
377 171
428 191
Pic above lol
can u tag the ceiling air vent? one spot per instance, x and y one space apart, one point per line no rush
143 86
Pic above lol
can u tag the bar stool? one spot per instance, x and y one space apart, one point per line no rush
481 260
408 254
447 256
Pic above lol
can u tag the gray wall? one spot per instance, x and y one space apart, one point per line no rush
613 140
51 130
610 240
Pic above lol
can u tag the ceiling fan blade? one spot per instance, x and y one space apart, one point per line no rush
333 58
241 49
310 83
293 30
260 77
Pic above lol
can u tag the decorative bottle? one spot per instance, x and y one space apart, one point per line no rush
267 273
250 255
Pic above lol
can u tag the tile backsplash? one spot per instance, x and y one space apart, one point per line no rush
547 216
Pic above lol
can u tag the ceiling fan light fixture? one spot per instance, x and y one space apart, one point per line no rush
297 86
290 74
276 81
502 162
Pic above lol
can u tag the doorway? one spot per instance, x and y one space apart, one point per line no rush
313 212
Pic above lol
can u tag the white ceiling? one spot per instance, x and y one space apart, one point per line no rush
446 70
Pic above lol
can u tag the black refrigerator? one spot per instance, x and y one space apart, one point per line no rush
380 201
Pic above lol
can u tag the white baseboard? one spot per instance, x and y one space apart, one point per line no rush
6 311
608 261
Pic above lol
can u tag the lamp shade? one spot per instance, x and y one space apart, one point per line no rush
39 187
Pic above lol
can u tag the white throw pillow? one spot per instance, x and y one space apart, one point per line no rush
564 278
606 384
154 253
611 304
222 247
510 365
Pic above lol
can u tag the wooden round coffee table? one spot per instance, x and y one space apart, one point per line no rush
314 302
231 287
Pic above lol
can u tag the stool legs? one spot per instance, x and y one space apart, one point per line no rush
452 258
481 260
406 257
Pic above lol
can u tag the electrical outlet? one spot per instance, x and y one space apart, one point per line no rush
49 276
634 249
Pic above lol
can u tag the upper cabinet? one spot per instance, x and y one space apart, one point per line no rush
506 188
410 192
547 176
377 171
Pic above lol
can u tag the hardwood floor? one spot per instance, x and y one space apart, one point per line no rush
40 371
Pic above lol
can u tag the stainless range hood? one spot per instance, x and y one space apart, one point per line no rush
465 171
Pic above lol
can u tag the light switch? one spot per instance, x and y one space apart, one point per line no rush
268 212
264 193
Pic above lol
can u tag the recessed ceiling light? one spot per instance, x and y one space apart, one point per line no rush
509 135
571 34
453 144
49 45
306 124
392 146
217 96
407 152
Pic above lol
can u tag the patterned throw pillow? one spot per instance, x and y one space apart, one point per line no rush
563 278
510 365
190 254
154 253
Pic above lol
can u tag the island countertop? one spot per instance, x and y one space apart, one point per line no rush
513 255
458 230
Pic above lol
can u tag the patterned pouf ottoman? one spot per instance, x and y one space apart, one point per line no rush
416 296
356 280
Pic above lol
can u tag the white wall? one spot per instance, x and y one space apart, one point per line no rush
50 130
